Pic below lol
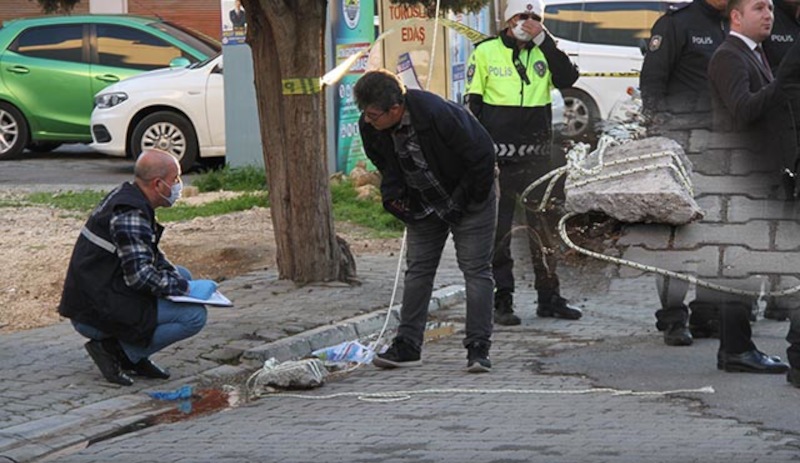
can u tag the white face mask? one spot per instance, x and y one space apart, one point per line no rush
174 193
520 34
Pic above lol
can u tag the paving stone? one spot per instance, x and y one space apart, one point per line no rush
754 234
787 235
754 185
710 162
742 209
702 262
739 262
712 207
650 236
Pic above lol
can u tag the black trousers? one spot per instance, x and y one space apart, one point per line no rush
793 337
735 335
540 227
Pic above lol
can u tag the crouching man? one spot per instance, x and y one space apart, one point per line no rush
118 278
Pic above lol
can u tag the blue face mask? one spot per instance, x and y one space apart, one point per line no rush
174 193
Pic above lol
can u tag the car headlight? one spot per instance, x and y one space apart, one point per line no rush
109 100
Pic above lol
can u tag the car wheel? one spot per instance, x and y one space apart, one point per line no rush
169 132
580 115
43 146
13 131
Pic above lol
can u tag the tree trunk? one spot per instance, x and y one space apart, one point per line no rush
286 37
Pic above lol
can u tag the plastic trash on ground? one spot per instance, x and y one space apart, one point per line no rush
293 374
184 392
348 351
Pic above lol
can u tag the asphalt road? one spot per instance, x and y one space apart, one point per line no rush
69 167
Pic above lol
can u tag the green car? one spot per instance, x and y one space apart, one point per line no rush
52 66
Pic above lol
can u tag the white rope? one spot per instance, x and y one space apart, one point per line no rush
396 396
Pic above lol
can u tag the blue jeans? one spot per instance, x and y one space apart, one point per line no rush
473 238
176 321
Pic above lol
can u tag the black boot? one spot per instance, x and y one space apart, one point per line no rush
504 309
556 306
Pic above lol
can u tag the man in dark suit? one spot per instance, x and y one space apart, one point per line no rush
743 96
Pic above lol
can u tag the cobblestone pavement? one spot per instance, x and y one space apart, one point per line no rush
55 402
522 411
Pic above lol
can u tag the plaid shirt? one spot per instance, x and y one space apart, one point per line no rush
418 176
143 270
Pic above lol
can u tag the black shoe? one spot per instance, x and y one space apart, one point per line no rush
478 358
113 346
148 369
677 335
752 361
556 306
708 329
504 309
776 313
401 354
721 359
793 377
107 363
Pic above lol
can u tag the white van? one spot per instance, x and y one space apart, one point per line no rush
601 36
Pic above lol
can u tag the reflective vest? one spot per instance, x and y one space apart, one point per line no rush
516 107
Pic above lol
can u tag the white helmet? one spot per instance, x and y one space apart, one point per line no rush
515 7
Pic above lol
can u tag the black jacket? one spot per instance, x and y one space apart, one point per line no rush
95 292
459 151
741 91
785 31
681 44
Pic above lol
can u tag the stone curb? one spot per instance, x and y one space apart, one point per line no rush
48 437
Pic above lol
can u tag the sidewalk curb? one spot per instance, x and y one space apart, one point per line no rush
48 437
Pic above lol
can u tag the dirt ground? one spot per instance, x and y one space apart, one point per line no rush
37 242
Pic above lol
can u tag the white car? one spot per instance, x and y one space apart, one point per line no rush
601 37
177 110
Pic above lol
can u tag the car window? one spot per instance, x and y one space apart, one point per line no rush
604 23
62 43
194 39
619 23
564 21
126 47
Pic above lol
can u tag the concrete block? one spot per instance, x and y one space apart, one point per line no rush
652 194
753 234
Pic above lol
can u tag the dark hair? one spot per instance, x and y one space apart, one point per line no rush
733 5
381 89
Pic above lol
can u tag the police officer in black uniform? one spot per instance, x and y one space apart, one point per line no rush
785 31
680 47
675 90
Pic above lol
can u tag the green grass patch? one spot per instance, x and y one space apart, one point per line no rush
83 201
366 212
247 178
244 202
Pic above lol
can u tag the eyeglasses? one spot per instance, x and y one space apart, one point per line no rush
372 116
526 16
